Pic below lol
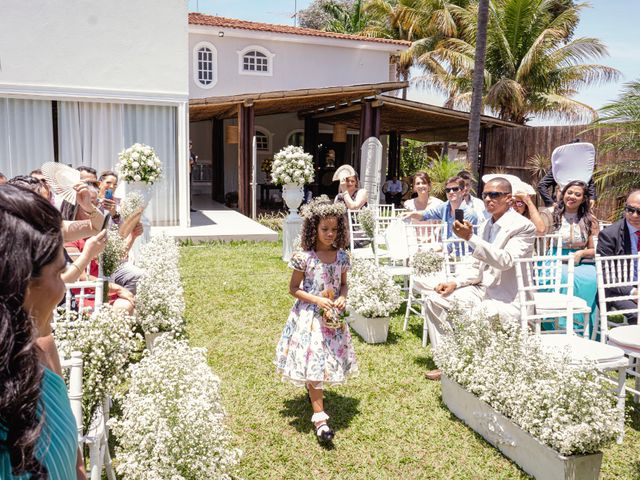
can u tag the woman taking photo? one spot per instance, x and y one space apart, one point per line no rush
38 437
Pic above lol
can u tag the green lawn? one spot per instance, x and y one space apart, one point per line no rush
390 422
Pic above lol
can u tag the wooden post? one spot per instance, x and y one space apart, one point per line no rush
217 160
392 153
246 127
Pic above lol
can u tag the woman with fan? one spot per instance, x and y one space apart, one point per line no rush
349 193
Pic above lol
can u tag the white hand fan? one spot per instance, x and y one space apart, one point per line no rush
61 179
574 161
344 171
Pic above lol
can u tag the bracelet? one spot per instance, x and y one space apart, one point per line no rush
77 267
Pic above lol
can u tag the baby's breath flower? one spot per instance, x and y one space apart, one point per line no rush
372 292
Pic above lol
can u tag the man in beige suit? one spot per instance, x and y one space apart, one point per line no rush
490 281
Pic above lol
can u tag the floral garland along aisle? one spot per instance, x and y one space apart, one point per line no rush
171 422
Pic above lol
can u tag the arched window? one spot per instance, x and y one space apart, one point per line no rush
296 138
262 141
205 65
255 60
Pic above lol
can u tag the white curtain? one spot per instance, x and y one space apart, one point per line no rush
26 135
93 134
156 126
90 134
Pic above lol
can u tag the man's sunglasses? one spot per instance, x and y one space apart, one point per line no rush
494 195
452 189
631 210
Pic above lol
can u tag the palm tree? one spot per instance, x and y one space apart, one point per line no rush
346 17
477 84
533 65
620 121
442 169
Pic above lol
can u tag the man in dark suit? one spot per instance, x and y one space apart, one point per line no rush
623 238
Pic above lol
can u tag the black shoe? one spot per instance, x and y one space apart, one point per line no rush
193 210
324 434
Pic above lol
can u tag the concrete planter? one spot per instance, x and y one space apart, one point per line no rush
535 458
372 330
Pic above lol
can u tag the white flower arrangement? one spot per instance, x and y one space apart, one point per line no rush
427 262
114 252
172 422
139 163
159 295
367 222
131 204
292 165
565 405
106 340
372 292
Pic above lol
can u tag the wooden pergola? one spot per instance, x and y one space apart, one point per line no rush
362 107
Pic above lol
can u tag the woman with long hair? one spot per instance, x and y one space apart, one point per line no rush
572 218
38 434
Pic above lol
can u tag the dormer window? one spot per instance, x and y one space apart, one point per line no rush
255 60
205 65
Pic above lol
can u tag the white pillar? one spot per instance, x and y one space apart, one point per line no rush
184 187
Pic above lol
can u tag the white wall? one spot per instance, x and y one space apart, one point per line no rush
295 64
75 46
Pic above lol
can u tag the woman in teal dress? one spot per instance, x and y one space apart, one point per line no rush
572 218
38 436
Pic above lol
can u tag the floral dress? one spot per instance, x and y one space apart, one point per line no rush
309 351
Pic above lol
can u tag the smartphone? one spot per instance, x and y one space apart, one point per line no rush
105 223
459 215
108 194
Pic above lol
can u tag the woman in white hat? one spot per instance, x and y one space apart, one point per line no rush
349 192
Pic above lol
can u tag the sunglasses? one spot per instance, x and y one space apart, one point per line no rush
631 210
519 203
494 195
452 189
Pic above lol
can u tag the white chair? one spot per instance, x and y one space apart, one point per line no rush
620 272
548 244
74 365
541 296
532 276
385 210
357 235
457 255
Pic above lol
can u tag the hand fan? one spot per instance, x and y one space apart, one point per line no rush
62 178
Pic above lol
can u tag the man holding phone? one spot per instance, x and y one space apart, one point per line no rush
447 211
490 281
108 185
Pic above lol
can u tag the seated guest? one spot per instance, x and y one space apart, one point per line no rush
490 281
109 181
87 174
119 296
623 238
525 206
3 179
547 186
454 188
470 201
350 192
393 191
424 201
572 218
32 183
37 427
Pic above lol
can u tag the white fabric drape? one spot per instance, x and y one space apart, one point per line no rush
93 134
26 135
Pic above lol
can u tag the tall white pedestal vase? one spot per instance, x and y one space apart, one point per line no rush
145 191
292 194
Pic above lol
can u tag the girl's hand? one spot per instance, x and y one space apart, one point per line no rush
325 303
340 303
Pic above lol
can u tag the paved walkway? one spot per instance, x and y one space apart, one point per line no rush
214 221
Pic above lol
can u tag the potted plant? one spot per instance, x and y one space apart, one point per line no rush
542 410
373 296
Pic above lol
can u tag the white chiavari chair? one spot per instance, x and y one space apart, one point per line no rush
457 255
359 240
618 282
548 244
537 304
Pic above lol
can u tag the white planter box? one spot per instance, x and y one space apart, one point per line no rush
372 330
535 458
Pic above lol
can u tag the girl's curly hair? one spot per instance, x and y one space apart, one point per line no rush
316 210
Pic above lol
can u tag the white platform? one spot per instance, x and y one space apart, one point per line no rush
217 222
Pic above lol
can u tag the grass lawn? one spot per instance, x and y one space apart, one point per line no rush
390 422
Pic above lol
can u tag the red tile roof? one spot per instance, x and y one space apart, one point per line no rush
213 21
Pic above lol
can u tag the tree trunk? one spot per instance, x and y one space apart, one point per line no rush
478 84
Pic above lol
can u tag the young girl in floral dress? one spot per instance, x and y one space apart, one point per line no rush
315 349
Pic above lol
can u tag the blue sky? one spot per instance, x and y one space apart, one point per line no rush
615 22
